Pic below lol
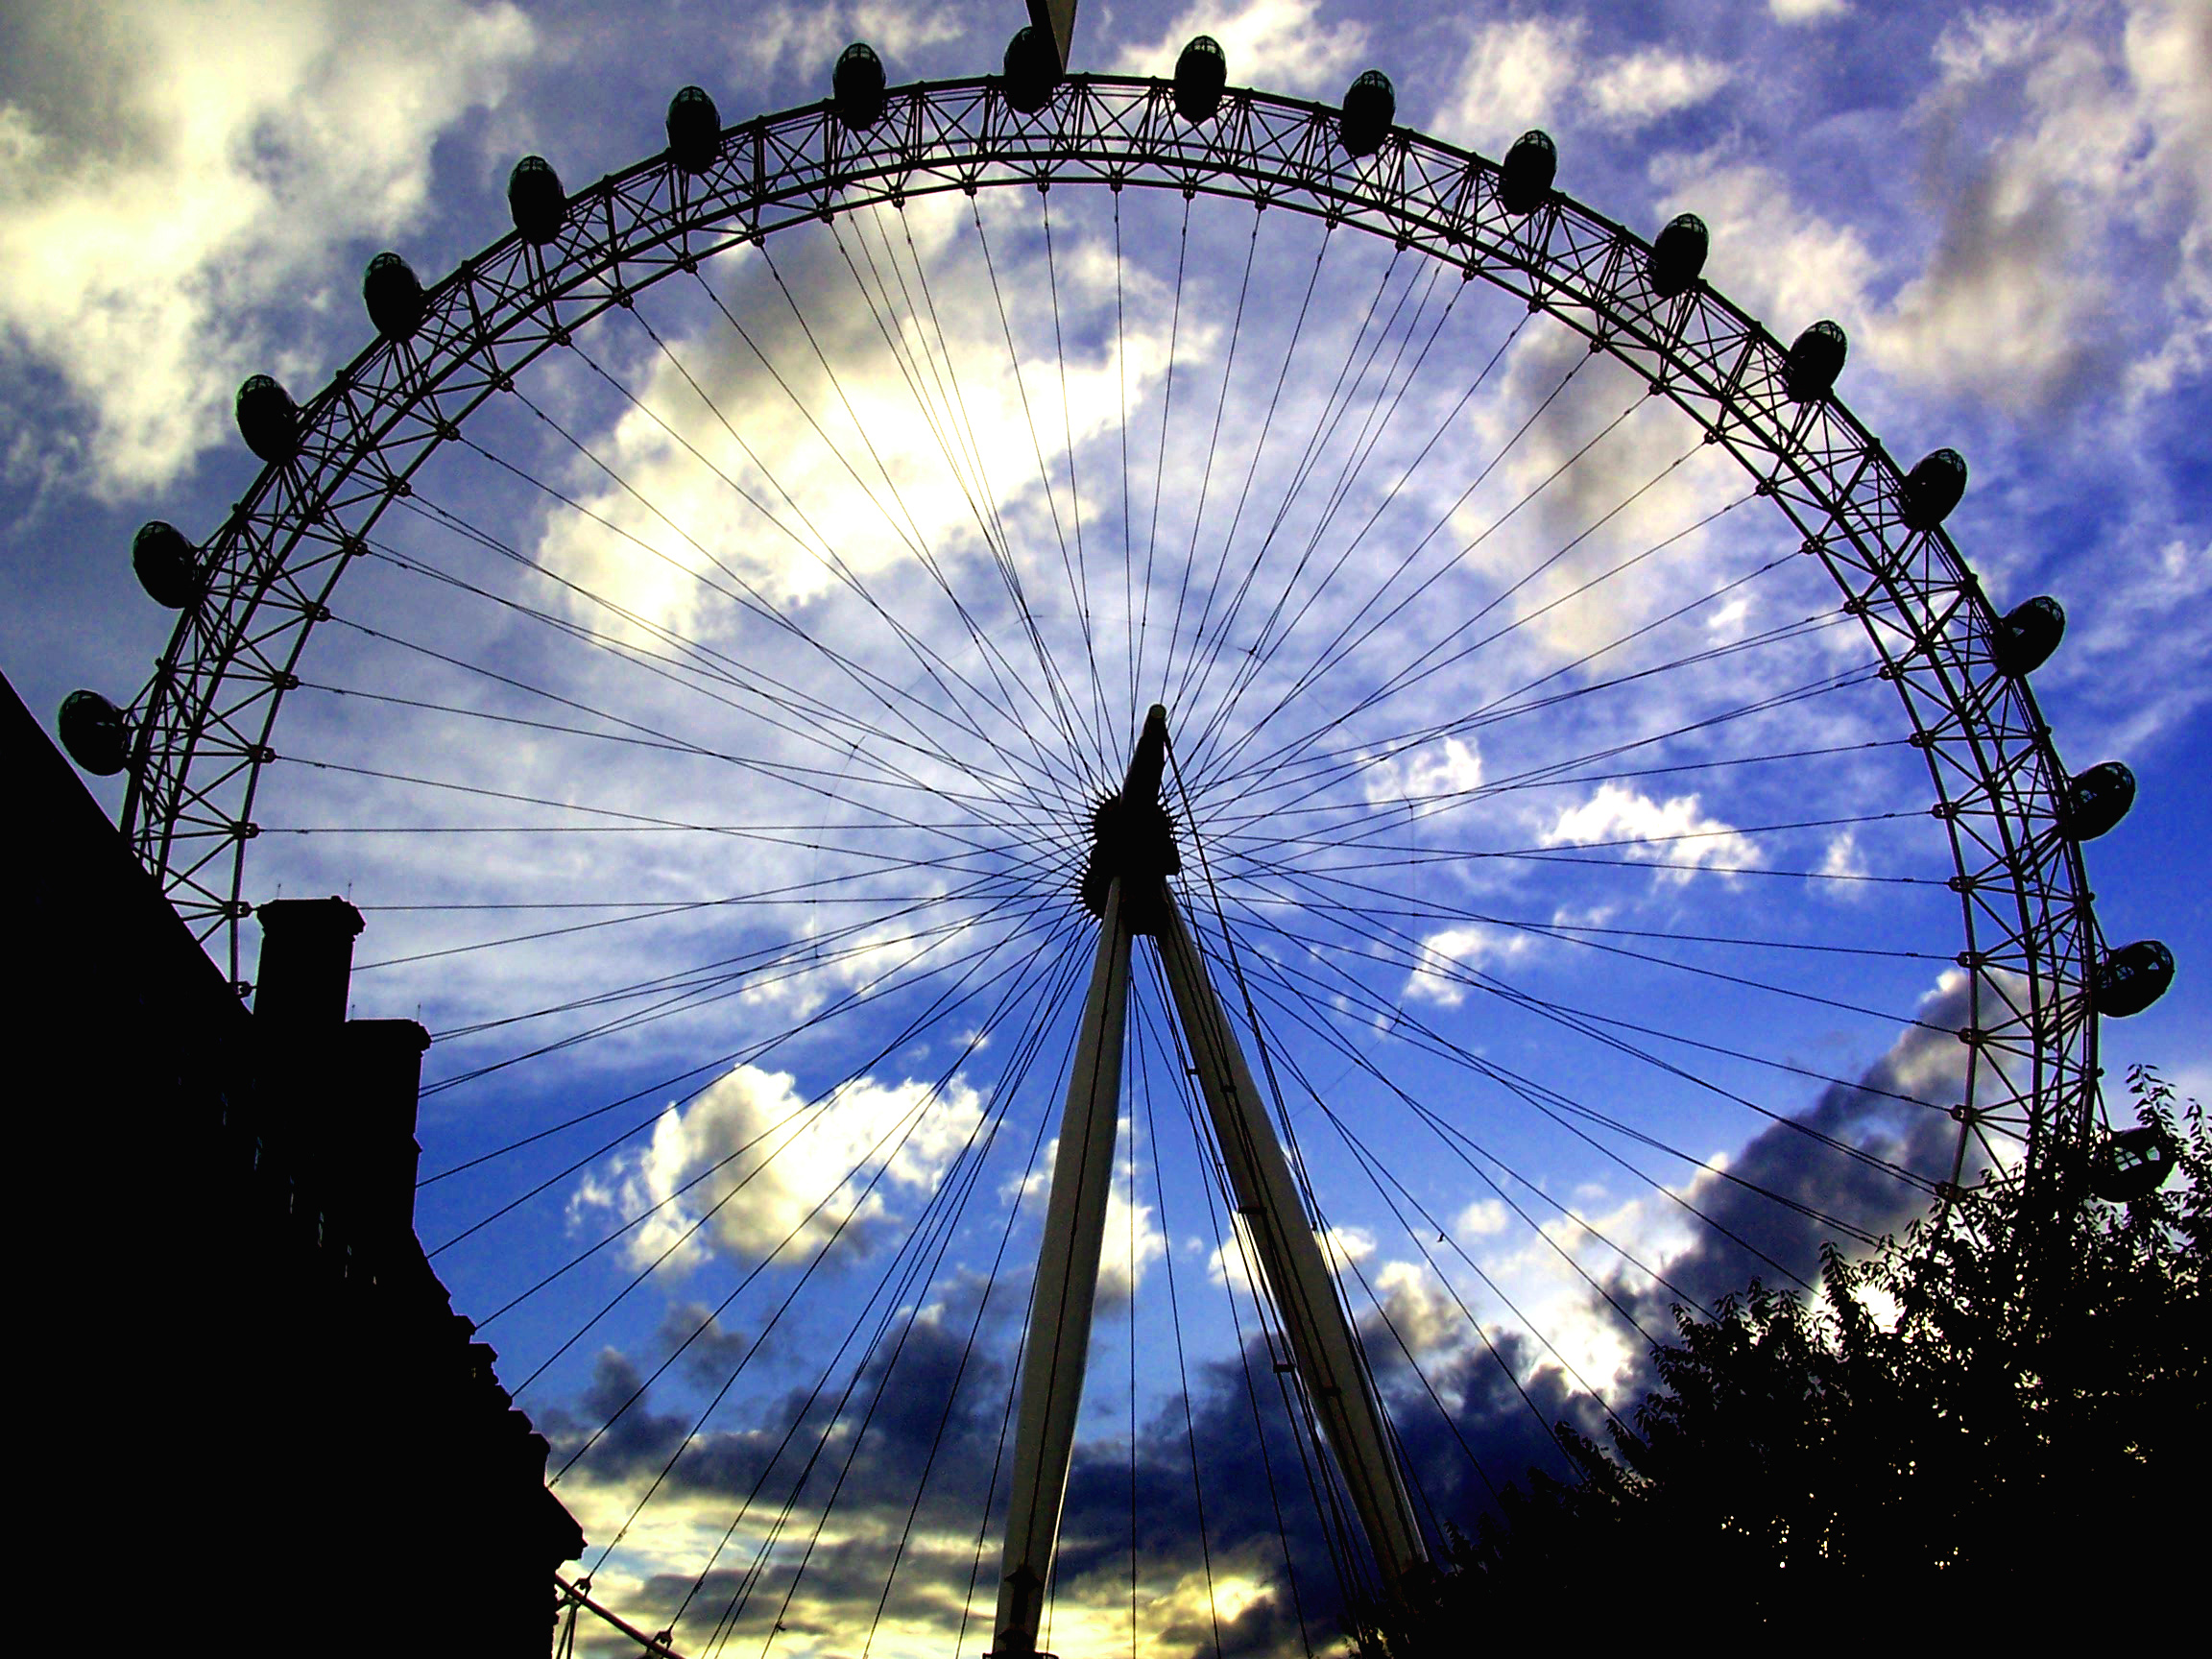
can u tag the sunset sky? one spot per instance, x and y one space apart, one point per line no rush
709 735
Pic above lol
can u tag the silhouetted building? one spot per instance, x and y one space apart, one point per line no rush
263 1423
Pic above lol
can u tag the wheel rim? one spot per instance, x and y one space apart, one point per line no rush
207 720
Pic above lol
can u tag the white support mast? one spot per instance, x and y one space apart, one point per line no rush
1299 1283
1067 1286
1126 886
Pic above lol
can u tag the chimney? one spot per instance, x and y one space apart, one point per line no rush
307 960
379 1081
341 1092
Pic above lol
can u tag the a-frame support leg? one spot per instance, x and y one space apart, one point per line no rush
1067 1286
1299 1283
1125 886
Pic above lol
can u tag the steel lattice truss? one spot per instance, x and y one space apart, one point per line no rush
204 720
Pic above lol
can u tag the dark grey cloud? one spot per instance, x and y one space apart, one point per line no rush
1750 1227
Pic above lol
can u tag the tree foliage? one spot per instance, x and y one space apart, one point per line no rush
1996 1410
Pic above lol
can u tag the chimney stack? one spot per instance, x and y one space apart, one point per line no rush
306 962
341 1092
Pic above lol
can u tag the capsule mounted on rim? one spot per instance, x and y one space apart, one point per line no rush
168 567
857 87
2095 801
1370 106
267 420
1201 72
2130 978
1677 256
694 130
1031 70
2029 634
393 295
2132 1163
1524 177
1815 358
535 201
93 732
1932 489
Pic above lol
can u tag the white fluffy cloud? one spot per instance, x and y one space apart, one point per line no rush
2070 149
168 172
1280 44
1424 776
1451 953
779 1171
784 477
1515 75
1672 831
1530 70
810 34
1652 83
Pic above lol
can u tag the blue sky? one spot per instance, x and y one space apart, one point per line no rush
1510 973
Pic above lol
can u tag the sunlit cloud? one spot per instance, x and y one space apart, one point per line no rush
755 1167
146 232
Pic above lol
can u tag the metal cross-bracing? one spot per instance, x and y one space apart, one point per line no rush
205 723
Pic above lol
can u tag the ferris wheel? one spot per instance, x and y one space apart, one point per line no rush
1357 693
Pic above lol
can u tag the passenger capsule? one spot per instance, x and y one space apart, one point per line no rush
168 566
1032 70
93 732
2132 1163
856 86
694 130
393 295
1816 359
1525 180
1370 105
2130 978
1677 256
267 420
1932 488
2028 636
536 199
2095 801
1200 73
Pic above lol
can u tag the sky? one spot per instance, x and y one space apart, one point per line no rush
709 738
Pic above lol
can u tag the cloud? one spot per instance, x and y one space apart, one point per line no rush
1424 776
776 1171
2067 151
1530 71
1760 1208
846 445
1673 830
1484 1216
170 175
1280 44
1648 84
1843 858
1132 1240
1451 955
1515 75
1807 11
808 37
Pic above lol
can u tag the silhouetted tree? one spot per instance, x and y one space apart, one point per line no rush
1985 1423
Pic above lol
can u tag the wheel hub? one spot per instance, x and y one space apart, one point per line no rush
1133 837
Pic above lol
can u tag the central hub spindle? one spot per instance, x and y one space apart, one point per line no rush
1133 837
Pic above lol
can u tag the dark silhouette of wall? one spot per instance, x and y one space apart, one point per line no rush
255 1416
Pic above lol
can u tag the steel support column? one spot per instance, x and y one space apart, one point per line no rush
1067 1286
1298 1280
